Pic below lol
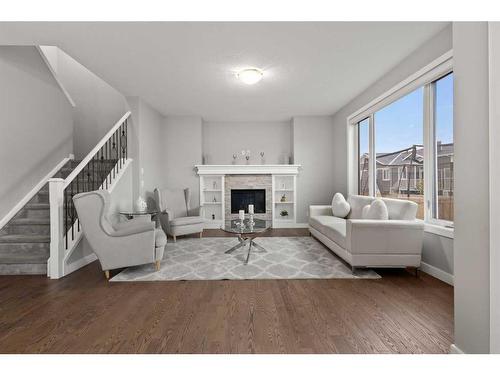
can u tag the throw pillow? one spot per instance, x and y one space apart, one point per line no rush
340 207
375 211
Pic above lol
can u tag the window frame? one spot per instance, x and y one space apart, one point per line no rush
426 78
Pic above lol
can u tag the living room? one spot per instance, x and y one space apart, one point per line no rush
249 187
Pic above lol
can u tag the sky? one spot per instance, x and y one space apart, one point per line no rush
400 124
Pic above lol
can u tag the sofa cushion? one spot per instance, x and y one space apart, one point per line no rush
340 207
160 238
357 203
186 220
400 209
375 211
332 227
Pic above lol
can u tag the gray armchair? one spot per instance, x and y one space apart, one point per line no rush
126 244
177 218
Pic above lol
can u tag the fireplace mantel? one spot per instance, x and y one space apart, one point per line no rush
274 169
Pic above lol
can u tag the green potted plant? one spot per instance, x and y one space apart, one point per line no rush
284 213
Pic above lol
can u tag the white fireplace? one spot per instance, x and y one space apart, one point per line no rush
277 181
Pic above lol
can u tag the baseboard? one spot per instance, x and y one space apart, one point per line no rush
455 349
72 267
437 273
33 191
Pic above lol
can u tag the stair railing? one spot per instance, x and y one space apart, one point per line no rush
96 171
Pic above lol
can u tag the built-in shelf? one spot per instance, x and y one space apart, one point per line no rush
212 190
284 190
284 202
214 203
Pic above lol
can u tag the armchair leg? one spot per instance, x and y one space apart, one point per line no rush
175 239
106 273
157 265
201 234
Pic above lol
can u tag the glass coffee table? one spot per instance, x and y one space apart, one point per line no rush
247 232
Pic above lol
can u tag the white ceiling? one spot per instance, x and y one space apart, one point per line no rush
187 68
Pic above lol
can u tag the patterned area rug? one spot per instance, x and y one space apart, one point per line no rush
286 258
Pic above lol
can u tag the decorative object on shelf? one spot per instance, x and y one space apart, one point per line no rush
283 186
140 204
214 184
251 222
241 215
204 159
246 154
234 158
215 200
290 159
262 160
250 209
284 213
283 198
213 216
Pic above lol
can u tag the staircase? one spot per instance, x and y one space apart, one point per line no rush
25 240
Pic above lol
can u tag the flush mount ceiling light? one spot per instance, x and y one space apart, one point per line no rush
250 76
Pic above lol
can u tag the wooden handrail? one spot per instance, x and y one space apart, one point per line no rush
94 151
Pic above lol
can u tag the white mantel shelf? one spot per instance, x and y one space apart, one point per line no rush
274 169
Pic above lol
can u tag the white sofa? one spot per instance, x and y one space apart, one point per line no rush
396 242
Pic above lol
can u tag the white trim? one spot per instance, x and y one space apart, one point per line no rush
437 273
54 74
82 262
33 191
455 349
419 78
94 151
439 230
289 169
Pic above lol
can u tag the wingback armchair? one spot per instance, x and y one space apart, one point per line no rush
118 245
177 218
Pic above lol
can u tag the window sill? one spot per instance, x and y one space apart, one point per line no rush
440 230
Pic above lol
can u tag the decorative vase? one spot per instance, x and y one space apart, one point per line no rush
140 204
283 198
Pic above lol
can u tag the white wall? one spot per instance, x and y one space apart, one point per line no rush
36 123
181 151
98 106
152 171
471 133
437 251
314 150
494 70
223 139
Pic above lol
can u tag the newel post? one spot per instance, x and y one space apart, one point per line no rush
56 200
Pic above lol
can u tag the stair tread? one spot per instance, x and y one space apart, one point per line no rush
29 220
38 206
25 238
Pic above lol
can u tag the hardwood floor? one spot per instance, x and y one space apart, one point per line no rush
83 313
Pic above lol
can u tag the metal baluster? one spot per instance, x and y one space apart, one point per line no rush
72 213
126 139
66 216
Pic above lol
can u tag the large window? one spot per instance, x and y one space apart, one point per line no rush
399 147
410 140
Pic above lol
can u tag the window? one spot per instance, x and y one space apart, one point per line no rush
386 174
363 157
443 148
399 142
409 135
